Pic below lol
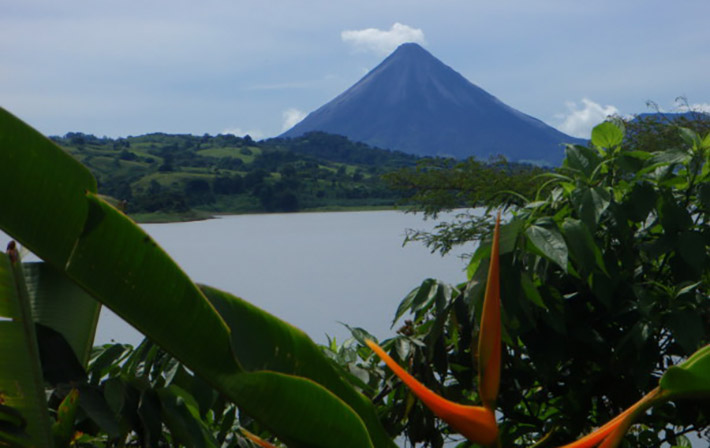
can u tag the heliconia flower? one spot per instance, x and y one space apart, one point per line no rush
256 439
476 423
489 338
610 434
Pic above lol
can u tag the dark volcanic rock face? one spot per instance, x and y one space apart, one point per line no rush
414 103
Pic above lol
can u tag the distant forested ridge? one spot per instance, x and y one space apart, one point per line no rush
175 174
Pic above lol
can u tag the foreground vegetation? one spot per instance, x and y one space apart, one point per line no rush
593 293
605 283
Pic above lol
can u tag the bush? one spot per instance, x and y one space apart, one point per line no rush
605 277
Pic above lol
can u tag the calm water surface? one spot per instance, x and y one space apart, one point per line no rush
313 270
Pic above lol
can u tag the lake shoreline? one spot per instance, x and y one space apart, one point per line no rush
202 215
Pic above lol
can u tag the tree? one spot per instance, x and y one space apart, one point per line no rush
605 283
441 185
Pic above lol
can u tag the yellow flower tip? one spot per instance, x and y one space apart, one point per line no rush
476 423
256 439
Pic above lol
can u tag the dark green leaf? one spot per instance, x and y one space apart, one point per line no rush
531 291
58 359
674 218
582 245
94 405
359 334
550 243
21 383
61 305
691 246
641 201
180 416
591 202
704 196
687 328
582 159
415 299
149 412
104 358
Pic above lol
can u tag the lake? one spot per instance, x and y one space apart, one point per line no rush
313 270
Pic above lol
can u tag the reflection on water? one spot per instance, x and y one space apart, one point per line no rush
313 270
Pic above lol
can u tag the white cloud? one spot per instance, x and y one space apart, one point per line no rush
382 42
697 107
255 134
291 118
579 121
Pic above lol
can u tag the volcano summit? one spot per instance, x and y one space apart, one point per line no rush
413 102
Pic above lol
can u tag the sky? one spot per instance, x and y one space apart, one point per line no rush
119 68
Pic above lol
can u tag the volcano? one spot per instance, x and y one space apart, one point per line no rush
413 102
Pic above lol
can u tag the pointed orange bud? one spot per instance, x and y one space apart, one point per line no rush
476 423
617 434
256 439
612 432
489 339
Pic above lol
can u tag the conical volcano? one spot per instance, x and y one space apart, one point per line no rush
412 102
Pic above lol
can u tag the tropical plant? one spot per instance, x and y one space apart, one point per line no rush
269 369
690 379
604 287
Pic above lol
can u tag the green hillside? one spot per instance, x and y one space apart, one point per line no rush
158 175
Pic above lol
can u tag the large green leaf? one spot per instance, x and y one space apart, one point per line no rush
21 383
181 416
306 414
591 202
582 246
116 262
264 342
549 243
582 159
691 378
120 265
41 191
607 135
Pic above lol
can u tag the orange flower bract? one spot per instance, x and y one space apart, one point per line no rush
476 423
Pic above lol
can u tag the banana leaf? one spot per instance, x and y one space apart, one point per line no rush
50 205
21 383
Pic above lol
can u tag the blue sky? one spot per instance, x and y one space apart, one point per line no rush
127 67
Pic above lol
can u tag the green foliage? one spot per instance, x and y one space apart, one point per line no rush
437 185
161 173
110 257
440 185
654 132
24 420
605 279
